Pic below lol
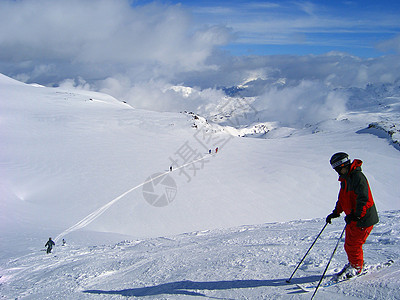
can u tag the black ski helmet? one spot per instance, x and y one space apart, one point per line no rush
339 159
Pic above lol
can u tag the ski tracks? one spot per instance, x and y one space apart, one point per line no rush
97 213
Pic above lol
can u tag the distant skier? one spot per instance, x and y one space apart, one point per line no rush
216 150
170 168
209 151
49 245
355 199
63 242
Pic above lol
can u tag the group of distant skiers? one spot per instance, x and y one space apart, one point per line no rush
209 152
216 150
50 243
355 200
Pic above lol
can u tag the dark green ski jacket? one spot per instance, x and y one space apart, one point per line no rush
355 196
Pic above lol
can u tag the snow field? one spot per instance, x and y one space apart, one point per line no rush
65 154
80 154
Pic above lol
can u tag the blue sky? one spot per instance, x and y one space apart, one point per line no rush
301 27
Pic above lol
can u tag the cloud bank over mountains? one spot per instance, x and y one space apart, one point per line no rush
137 52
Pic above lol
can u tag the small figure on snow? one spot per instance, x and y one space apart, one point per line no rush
355 200
216 150
209 151
63 242
49 245
170 168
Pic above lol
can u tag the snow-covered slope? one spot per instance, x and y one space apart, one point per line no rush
83 166
66 154
246 262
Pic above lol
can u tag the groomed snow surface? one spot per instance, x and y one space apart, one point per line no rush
234 225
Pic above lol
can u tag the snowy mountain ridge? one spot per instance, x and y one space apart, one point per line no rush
242 116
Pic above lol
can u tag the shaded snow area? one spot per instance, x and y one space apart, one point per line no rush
247 262
149 207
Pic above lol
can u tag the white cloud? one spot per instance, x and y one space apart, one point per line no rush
296 106
391 44
159 95
111 33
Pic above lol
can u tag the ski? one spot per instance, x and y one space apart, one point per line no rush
332 282
326 284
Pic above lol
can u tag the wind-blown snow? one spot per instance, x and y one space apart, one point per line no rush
65 153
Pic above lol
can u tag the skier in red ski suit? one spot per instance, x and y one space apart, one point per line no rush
355 200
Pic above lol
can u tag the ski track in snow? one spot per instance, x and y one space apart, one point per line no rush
247 262
97 213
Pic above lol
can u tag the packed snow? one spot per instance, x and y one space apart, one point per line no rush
233 224
247 262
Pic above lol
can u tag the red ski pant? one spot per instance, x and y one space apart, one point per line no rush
354 240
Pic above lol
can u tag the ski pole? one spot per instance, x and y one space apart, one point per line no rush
288 281
323 275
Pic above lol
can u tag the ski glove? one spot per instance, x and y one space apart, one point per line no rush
331 216
351 217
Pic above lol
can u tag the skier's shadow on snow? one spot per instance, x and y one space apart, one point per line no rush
191 288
